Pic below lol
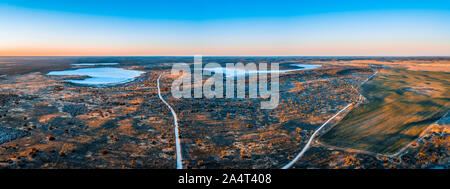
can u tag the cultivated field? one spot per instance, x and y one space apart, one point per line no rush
400 105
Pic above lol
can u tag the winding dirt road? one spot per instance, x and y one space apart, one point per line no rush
287 166
175 121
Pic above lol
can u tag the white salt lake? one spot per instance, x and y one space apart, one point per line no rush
107 76
101 76
229 72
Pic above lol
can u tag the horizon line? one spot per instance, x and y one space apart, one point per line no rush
225 55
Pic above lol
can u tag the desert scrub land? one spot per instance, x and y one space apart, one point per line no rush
46 122
230 133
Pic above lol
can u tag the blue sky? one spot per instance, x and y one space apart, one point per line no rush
220 9
172 27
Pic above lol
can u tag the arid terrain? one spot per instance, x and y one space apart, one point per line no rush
397 116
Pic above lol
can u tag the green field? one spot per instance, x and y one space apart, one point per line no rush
400 105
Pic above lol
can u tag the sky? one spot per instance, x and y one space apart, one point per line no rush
224 28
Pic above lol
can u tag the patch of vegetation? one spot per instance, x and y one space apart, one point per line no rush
7 134
75 109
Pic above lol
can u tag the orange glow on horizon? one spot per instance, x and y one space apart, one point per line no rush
240 50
